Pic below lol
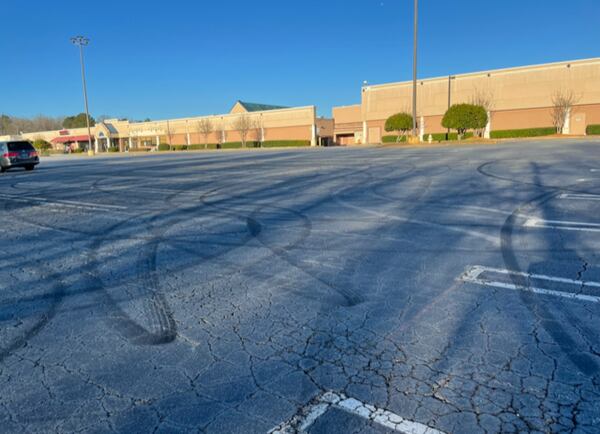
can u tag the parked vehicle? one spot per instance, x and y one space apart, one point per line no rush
18 153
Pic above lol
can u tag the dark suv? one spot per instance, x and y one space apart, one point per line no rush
18 153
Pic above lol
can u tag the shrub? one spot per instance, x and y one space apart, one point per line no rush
441 137
180 147
463 117
164 147
593 130
139 149
113 149
41 145
401 122
197 147
393 139
231 145
525 132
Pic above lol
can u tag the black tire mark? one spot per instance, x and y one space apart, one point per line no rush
56 297
586 364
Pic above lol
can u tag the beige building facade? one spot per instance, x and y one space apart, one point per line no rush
258 122
516 98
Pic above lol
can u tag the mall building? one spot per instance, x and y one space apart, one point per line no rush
516 98
263 123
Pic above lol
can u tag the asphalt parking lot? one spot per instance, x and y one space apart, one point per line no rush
422 290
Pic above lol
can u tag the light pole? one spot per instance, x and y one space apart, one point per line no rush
414 110
82 41
450 78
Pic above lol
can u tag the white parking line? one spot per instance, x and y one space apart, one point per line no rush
534 222
579 196
473 275
309 415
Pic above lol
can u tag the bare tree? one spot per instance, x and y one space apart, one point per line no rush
221 134
562 102
243 124
170 136
15 125
485 99
259 131
205 127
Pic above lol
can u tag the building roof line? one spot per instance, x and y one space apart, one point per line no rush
223 115
515 69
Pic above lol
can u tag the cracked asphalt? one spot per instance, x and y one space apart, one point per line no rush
222 292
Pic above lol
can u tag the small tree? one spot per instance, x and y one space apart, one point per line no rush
562 102
221 134
205 127
243 124
485 99
463 117
41 145
258 131
400 122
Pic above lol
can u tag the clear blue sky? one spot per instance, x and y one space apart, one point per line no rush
176 58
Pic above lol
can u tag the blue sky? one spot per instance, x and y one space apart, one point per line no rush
162 59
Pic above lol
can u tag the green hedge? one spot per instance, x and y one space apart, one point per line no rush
113 149
285 143
393 139
593 130
526 132
139 149
440 137
437 137
236 145
197 146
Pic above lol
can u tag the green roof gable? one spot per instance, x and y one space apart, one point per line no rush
254 107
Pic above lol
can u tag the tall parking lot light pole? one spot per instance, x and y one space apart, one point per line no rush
82 41
414 104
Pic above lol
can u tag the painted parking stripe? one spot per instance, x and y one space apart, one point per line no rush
318 406
579 196
474 275
534 222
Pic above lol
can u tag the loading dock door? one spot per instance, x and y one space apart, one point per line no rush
374 135
578 124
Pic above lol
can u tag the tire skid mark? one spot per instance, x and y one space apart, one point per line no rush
57 292
537 307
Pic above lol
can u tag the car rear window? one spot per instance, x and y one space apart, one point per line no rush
20 146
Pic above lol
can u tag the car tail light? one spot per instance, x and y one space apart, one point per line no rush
33 154
10 154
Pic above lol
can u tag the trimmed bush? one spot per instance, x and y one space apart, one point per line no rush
401 122
593 130
393 139
525 132
41 145
441 137
197 146
139 149
463 117
232 145
113 149
164 147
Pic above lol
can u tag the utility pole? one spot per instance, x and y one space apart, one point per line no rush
82 41
414 108
450 78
